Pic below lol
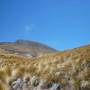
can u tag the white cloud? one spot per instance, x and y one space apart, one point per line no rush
29 28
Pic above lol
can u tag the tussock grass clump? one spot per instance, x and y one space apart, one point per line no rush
69 69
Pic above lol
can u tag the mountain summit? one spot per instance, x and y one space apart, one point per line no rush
26 48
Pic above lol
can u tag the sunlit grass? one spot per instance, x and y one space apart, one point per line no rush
70 66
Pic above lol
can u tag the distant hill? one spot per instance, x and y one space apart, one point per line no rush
26 48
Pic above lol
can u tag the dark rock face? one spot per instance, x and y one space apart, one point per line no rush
24 84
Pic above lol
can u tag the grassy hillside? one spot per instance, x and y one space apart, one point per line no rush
67 70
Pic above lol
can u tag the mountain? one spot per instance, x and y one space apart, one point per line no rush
26 48
66 70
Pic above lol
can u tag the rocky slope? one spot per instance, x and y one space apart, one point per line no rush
67 70
26 48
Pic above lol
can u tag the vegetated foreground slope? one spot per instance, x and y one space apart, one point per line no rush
26 48
67 70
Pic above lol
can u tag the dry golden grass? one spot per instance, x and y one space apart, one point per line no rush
69 66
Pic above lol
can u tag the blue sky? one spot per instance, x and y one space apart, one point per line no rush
61 24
